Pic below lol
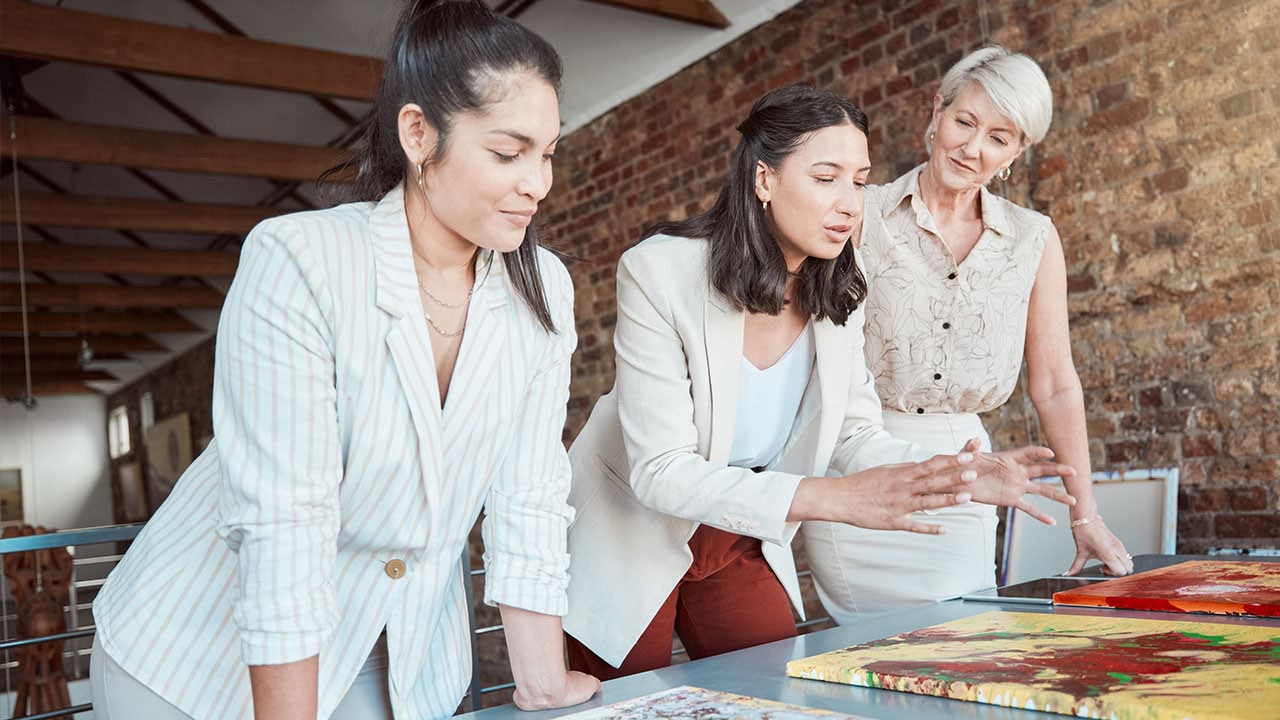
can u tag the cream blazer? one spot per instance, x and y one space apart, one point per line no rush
337 496
650 464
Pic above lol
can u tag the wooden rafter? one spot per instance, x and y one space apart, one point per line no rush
16 376
111 296
131 261
47 33
10 347
47 387
97 322
52 363
45 139
105 213
701 12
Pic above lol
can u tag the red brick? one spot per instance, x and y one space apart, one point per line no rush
900 84
1248 499
1262 527
1051 166
1117 117
1198 446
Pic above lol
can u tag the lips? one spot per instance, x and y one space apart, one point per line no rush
962 166
520 218
839 233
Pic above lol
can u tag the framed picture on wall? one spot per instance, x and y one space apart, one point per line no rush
168 455
11 496
133 492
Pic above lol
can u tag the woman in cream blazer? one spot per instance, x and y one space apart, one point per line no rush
651 465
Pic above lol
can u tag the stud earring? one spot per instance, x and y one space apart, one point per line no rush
1003 174
932 135
764 205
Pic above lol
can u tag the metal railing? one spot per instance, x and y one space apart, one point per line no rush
123 533
70 539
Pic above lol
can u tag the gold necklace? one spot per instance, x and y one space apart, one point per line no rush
436 327
442 303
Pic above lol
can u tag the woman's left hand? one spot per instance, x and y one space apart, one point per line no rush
1095 541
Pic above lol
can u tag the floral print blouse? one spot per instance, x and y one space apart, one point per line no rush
945 337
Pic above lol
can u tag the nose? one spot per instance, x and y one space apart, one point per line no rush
973 145
850 202
537 182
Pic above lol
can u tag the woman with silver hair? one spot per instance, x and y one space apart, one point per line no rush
963 285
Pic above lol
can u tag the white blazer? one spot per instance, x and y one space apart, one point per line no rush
333 463
650 464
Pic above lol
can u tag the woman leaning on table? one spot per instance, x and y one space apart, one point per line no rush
383 369
963 285
740 381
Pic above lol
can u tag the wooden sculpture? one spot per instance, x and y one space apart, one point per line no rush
39 581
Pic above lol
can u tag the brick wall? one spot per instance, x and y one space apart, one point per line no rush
1160 172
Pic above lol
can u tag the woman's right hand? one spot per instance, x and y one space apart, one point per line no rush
575 687
887 496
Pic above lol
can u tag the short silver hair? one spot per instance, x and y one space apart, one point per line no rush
1014 82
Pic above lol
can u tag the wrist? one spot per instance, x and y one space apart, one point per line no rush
1084 521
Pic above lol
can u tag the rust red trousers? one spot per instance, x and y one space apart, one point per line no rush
729 599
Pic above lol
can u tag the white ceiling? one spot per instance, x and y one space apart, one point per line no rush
610 55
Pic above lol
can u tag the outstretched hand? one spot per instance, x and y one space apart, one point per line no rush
1006 478
885 497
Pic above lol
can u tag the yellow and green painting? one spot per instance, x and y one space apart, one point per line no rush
691 703
1098 667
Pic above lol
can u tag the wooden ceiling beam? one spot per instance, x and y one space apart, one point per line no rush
17 376
41 32
112 296
17 388
97 322
44 257
45 139
106 213
46 363
104 344
700 12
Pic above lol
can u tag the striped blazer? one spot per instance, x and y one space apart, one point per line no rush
337 496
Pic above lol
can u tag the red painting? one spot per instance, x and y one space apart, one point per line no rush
1085 666
1203 586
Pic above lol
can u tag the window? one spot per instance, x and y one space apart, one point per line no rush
146 413
118 432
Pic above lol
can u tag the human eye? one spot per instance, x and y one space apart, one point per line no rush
824 179
999 140
504 158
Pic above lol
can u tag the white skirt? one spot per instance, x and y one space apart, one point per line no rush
861 573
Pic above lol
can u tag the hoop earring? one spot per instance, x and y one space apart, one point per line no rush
1003 174
420 177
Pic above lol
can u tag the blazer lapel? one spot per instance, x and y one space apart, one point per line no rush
483 343
407 341
724 327
832 369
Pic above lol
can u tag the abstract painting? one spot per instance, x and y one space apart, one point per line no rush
1206 586
1084 666
688 703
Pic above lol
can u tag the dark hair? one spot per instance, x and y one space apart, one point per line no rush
745 263
445 57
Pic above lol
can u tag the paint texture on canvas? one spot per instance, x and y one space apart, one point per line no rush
1108 667
688 703
1206 586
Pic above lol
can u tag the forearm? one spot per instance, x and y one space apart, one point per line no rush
285 692
1062 417
535 643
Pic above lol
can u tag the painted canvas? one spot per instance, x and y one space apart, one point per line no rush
1221 587
688 703
1084 666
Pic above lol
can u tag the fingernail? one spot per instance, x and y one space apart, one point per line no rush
965 457
963 497
1053 521
968 476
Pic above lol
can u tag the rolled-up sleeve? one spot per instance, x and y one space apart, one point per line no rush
275 417
527 513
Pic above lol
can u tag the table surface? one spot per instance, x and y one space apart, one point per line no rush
761 671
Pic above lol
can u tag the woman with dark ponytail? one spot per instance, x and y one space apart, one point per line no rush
384 369
743 406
